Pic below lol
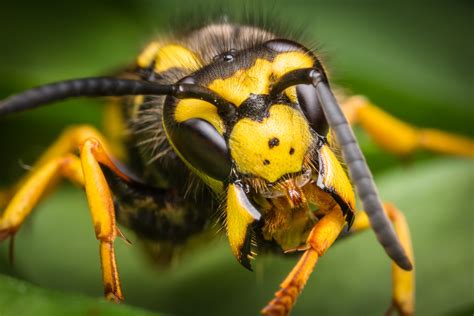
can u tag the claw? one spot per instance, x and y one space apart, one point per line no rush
11 250
113 297
122 235
9 233
298 249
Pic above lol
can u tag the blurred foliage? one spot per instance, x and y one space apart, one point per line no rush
412 59
20 298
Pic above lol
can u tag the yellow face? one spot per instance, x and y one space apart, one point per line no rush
273 147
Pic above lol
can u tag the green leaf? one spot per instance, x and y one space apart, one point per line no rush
22 298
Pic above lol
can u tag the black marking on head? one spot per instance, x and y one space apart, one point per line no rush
292 151
273 142
266 162
255 107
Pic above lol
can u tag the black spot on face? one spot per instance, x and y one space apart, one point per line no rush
272 142
292 151
266 162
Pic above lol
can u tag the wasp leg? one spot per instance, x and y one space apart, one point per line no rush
85 171
102 211
399 137
321 237
403 299
5 196
31 192
69 141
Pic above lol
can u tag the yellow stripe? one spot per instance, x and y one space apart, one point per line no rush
167 56
194 108
147 56
176 56
286 62
243 82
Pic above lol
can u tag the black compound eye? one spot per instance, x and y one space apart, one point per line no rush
284 45
309 103
203 147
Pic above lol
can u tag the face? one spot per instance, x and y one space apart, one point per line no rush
273 155
272 147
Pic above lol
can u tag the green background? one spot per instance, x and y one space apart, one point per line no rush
414 60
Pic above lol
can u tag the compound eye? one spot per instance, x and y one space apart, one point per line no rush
203 147
284 45
309 103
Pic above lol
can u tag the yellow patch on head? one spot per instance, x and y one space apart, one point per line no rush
176 56
147 56
243 82
271 148
194 108
167 56
286 62
291 94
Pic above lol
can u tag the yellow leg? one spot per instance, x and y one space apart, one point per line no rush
5 196
86 171
68 142
320 239
399 137
30 193
403 299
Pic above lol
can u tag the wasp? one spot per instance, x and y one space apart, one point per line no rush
251 117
